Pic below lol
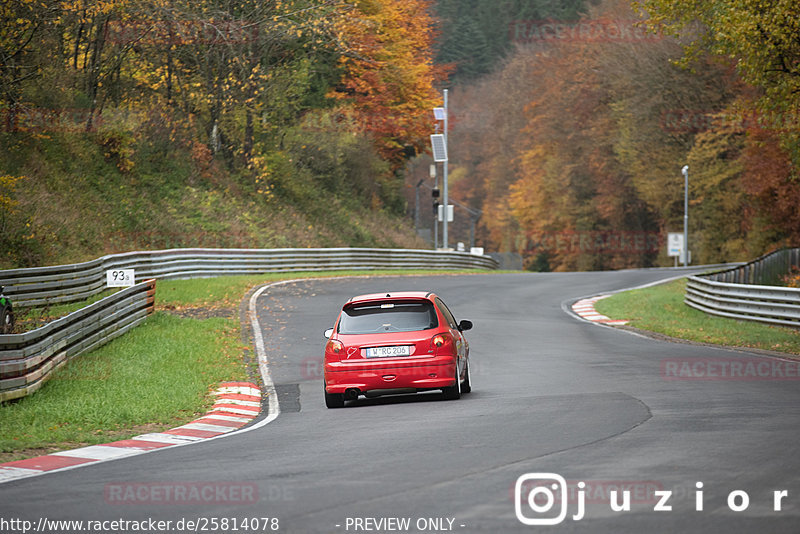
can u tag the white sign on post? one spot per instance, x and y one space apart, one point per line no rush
449 213
675 244
120 278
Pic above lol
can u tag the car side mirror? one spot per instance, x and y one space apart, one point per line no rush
465 325
328 333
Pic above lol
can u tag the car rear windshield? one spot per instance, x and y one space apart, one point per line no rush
397 316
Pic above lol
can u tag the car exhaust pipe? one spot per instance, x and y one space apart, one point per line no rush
351 394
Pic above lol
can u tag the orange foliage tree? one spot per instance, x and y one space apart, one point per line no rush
574 201
769 179
389 72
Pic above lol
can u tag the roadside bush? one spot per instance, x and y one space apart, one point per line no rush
793 278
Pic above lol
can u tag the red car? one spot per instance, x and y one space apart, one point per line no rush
393 343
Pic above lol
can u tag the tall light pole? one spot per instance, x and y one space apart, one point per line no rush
439 146
685 172
416 206
435 196
444 179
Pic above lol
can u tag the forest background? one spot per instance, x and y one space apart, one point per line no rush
144 124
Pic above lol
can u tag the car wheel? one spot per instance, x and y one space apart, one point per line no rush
453 392
6 321
466 385
334 400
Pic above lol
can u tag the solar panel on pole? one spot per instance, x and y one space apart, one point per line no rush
439 147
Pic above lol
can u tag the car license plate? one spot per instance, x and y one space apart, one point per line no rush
388 352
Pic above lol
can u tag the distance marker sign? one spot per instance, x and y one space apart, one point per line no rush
120 278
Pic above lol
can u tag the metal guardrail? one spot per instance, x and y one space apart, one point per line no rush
737 293
765 270
28 360
69 283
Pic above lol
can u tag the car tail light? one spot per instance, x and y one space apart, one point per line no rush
442 343
334 350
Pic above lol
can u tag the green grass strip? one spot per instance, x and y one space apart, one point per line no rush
661 309
156 376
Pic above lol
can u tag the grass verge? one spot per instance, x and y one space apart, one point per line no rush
661 309
157 376
154 377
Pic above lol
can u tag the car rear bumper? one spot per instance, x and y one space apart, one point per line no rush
431 373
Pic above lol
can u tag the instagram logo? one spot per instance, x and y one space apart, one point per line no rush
541 492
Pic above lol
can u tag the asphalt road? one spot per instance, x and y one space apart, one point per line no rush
551 394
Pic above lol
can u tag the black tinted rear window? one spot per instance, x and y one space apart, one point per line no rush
377 317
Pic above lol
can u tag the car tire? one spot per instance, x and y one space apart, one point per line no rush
466 385
453 392
334 400
6 321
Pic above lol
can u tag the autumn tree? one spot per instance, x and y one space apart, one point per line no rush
718 206
770 184
24 27
389 73
570 183
760 37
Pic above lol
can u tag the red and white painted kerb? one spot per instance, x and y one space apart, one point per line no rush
585 309
237 404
